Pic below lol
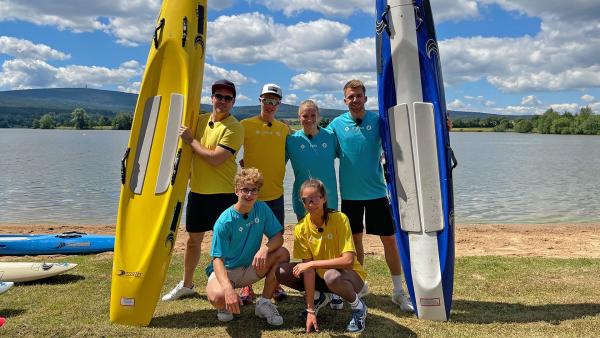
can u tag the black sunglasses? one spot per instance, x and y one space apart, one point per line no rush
226 98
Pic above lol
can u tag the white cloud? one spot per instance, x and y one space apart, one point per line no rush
332 82
478 101
555 59
328 101
133 88
566 107
588 98
130 21
25 49
457 104
518 110
213 73
530 100
25 74
250 38
327 7
205 99
291 99
576 11
443 10
454 10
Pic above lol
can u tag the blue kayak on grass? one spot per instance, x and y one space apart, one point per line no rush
68 243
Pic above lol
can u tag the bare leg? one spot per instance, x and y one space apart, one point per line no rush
358 245
276 257
345 283
192 257
215 294
392 256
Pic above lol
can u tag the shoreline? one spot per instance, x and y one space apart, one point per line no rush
518 240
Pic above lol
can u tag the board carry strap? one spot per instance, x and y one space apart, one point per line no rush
184 34
124 166
159 28
71 234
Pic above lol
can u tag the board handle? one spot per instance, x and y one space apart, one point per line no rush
159 28
176 166
453 158
185 29
124 166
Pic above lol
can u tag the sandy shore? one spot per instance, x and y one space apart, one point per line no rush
523 240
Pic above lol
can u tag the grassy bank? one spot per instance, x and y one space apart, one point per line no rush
472 130
494 296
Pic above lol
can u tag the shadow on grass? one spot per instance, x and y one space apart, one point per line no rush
7 313
332 322
384 304
60 279
479 312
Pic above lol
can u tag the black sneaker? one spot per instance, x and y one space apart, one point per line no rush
322 301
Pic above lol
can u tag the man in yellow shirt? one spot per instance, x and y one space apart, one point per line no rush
219 136
264 149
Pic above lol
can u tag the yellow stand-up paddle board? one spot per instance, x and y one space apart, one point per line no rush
156 165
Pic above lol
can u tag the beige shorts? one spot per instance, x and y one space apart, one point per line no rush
240 277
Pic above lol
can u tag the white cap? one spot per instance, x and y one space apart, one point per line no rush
271 88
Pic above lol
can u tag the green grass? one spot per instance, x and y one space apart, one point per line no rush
494 296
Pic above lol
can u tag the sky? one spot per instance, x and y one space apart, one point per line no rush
498 56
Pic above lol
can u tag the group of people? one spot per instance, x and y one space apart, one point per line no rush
242 206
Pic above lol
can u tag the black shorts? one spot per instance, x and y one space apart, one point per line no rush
377 214
203 210
277 206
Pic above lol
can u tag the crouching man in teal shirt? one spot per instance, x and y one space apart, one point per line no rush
238 258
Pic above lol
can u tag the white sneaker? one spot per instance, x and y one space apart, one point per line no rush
364 291
400 299
267 310
224 315
178 292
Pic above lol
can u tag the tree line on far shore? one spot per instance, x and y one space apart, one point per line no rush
551 122
80 119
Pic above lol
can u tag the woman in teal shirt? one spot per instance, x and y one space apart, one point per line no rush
312 151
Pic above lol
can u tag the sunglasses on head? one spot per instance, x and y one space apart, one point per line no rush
226 98
270 102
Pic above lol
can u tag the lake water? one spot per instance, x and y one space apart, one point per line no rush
73 177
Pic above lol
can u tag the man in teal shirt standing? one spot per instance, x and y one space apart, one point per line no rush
362 186
238 256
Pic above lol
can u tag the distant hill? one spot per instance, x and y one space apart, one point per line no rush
468 115
18 108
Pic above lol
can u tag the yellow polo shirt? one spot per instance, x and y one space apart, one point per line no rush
264 149
335 239
206 178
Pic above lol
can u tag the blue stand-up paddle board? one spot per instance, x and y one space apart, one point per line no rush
68 243
416 144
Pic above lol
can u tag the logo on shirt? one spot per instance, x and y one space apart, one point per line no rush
369 127
302 146
256 220
324 145
241 229
330 236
